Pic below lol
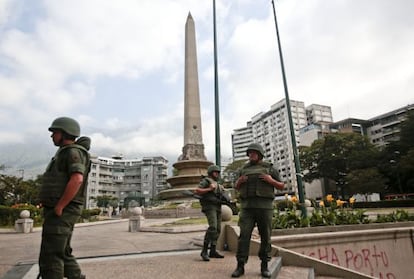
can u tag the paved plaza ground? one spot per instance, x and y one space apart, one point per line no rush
107 250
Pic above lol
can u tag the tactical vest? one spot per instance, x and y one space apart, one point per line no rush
55 180
254 186
213 196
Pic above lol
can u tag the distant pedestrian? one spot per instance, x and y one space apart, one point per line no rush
210 192
62 195
256 184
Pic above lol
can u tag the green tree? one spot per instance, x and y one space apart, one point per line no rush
407 152
15 190
367 180
407 169
397 162
230 172
406 142
105 200
335 156
235 165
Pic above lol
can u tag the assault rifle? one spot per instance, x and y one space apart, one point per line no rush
223 198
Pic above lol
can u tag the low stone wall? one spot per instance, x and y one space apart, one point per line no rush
292 258
379 252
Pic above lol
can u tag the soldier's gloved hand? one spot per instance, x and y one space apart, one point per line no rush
242 179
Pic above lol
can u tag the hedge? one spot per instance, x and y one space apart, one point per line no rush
8 215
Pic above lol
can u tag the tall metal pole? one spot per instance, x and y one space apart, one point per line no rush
216 92
292 128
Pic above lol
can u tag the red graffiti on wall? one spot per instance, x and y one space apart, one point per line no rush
364 259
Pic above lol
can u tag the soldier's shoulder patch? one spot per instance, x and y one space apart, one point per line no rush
75 155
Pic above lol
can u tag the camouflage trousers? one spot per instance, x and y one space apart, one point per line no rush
249 217
213 215
56 260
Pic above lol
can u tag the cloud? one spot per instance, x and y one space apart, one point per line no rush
7 138
118 67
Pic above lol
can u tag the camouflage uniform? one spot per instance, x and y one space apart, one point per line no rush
211 207
256 202
256 208
56 260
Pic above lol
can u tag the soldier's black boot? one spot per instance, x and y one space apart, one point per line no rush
214 253
264 270
204 252
239 270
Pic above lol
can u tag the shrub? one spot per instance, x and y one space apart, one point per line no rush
398 216
90 214
330 212
8 215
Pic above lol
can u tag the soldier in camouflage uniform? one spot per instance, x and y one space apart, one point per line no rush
210 198
62 196
256 184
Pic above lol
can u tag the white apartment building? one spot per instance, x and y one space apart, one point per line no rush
122 178
318 114
385 128
241 138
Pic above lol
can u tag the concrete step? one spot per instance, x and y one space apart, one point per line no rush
288 272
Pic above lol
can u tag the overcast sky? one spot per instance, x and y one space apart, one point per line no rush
118 66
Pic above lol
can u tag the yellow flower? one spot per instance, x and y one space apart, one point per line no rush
339 203
321 204
351 200
294 199
329 198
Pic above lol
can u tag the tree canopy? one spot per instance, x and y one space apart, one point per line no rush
339 157
14 190
397 161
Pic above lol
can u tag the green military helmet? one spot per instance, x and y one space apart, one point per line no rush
212 168
68 125
256 147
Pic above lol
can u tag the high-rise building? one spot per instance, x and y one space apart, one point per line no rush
241 138
139 179
318 114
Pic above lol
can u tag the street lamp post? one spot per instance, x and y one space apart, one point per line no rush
292 128
216 91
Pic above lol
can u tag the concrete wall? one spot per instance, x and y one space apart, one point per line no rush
292 258
385 253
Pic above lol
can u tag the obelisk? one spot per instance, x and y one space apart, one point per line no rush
193 139
192 163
